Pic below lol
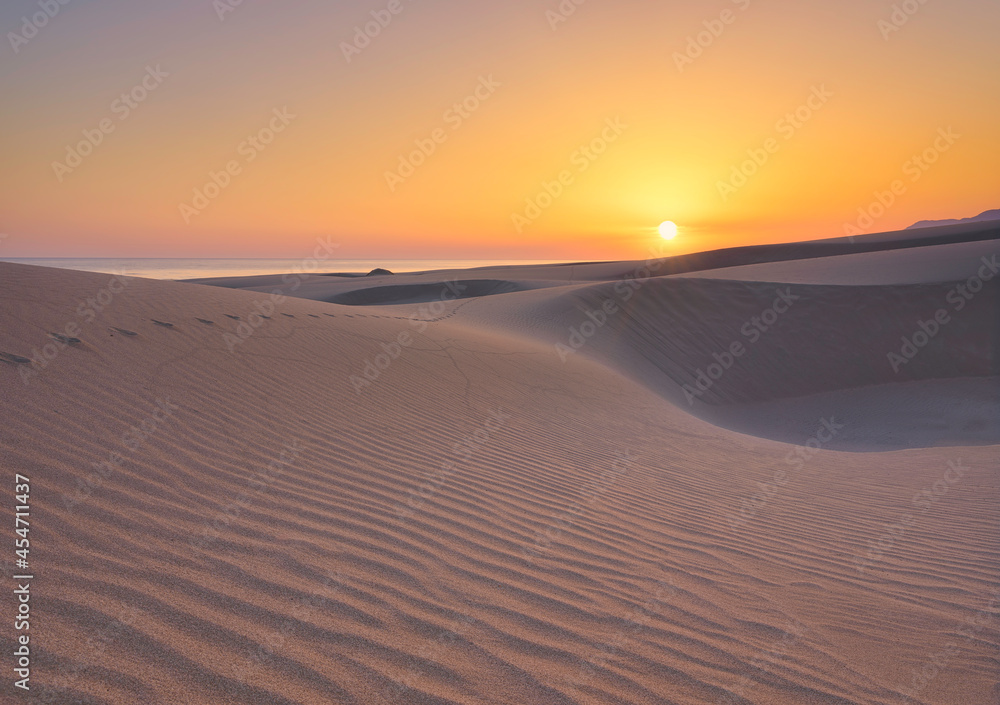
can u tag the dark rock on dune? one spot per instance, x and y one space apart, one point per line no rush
378 272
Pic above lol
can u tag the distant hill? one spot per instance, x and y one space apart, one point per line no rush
988 215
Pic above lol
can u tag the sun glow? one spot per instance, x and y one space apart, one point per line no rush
668 230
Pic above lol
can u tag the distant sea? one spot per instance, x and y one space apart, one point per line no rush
201 268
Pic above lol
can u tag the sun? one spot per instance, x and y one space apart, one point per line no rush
668 230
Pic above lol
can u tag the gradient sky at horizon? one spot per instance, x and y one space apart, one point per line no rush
325 174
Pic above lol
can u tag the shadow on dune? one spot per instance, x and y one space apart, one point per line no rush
424 293
774 360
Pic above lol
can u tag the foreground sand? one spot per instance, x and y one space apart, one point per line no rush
425 500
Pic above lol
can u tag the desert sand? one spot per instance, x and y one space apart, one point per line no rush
700 479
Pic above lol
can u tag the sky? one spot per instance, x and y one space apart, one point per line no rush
475 129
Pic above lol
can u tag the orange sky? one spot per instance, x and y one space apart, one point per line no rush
609 99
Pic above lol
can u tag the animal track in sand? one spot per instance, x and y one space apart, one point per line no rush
123 331
162 323
64 339
205 321
14 359
288 314
228 315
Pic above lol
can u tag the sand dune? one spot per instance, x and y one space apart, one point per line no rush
711 345
919 265
244 498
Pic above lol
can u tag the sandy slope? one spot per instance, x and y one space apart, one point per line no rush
481 521
920 265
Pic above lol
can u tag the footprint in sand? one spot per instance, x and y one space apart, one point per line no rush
235 318
313 315
330 315
205 321
123 331
288 314
64 339
161 323
14 359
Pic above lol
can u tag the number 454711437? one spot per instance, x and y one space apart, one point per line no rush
22 491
